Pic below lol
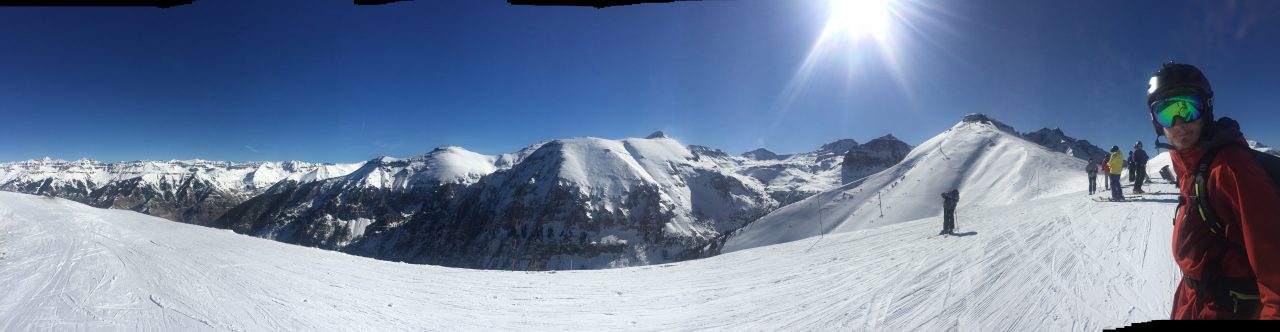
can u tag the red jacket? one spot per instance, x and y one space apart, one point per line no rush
1249 209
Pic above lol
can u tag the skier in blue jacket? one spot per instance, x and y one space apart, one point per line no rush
1139 167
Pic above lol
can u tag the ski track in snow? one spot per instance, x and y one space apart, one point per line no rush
1057 263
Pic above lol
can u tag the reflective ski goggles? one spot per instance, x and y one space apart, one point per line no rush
1165 111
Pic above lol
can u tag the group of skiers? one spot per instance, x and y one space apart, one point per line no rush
1226 227
1113 164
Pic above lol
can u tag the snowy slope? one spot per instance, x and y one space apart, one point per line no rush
1053 263
987 161
1158 161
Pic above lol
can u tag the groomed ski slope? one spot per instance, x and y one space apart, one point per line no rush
1056 263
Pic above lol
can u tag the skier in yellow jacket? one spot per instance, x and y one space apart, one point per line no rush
1116 165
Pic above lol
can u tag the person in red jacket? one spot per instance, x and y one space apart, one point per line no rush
1233 273
1106 169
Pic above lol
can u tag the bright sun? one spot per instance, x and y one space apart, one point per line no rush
859 18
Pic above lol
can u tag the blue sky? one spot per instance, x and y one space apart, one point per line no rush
328 81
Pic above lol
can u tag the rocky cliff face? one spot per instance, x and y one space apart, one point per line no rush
1057 141
874 156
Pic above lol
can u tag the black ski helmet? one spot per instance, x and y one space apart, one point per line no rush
1175 79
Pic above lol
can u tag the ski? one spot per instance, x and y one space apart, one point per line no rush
1108 199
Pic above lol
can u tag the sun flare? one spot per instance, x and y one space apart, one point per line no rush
859 18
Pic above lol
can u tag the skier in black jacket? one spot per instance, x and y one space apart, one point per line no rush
1139 157
949 200
1092 170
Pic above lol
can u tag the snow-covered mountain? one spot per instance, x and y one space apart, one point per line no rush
790 178
572 203
989 162
563 204
385 191
193 191
1263 148
761 154
1057 141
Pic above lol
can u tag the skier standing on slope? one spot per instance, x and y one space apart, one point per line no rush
949 200
1226 234
1092 169
1106 171
1139 170
1128 166
1116 165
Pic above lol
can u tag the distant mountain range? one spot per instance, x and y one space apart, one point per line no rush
579 203
1263 148
191 191
561 204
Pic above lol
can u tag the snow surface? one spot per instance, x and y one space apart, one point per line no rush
1053 263
989 165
